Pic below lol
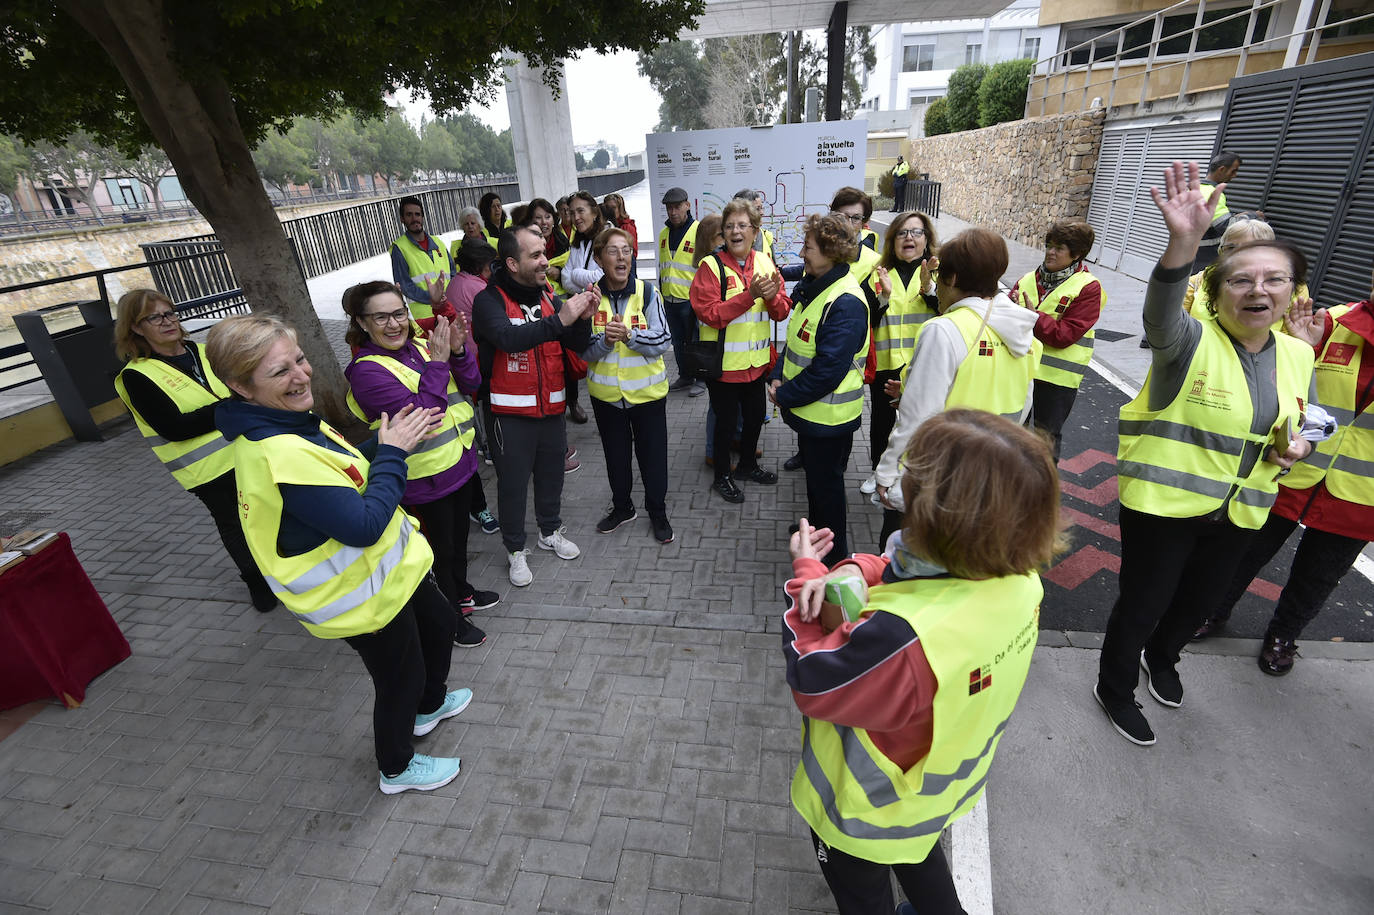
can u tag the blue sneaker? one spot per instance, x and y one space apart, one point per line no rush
425 773
488 521
454 703
905 908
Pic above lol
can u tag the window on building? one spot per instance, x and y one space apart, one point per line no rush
918 54
1340 11
1004 45
915 99
973 53
1174 35
1031 48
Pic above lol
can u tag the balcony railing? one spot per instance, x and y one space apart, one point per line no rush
1103 74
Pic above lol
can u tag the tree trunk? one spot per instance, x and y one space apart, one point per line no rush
198 127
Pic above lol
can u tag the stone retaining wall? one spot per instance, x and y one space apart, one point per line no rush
1018 177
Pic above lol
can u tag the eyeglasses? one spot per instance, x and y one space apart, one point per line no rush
383 318
160 317
739 227
1243 285
620 251
911 233
857 218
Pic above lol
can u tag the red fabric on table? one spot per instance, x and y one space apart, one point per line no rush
56 634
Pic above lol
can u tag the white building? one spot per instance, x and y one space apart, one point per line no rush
915 59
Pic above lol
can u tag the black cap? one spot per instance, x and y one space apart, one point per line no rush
675 195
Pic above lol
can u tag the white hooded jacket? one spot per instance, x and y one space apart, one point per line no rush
940 350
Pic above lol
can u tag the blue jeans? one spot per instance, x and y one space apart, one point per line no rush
682 326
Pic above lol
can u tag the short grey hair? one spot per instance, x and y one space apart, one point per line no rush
464 213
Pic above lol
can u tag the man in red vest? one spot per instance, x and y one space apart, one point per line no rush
521 329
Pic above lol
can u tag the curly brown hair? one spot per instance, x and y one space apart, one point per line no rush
847 195
833 237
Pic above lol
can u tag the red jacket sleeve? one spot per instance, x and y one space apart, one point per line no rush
852 675
1076 320
710 308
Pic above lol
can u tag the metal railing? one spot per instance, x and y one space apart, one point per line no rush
1059 65
923 195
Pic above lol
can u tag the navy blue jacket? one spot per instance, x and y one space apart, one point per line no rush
839 338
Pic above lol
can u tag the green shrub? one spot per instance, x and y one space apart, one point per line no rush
885 184
937 118
962 96
1002 94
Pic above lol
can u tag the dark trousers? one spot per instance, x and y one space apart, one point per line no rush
446 528
899 194
1173 573
1050 406
862 887
526 446
1322 559
221 497
643 430
882 414
731 398
892 521
682 327
408 660
824 461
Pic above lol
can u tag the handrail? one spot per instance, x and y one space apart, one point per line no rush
1053 66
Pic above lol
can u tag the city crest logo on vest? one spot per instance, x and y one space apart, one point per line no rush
1340 353
985 348
355 475
802 331
979 679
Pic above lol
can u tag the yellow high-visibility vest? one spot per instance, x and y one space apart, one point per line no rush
675 270
425 267
844 404
1064 366
895 336
624 373
747 336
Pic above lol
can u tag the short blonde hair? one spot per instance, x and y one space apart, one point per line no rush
982 496
133 306
238 344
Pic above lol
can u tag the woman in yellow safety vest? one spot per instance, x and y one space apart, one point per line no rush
628 383
470 221
172 392
494 218
1240 231
1201 447
324 522
903 285
734 294
1331 494
1067 300
907 666
392 369
819 381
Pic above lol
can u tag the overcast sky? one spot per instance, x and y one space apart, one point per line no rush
608 98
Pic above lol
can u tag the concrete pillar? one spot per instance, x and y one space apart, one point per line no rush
541 132
834 60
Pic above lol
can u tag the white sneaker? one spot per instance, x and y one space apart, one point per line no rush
561 545
520 574
870 486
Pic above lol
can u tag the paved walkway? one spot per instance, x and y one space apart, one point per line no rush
630 744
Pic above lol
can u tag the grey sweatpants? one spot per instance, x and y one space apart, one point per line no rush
525 445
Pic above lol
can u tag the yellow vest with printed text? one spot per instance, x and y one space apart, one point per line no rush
334 590
748 336
1184 460
675 270
194 461
623 373
446 445
978 637
844 404
1345 461
1063 366
425 267
895 336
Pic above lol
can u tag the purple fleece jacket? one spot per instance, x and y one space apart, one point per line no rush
378 391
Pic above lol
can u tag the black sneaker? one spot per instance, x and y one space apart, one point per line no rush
1128 720
615 518
663 531
759 475
479 600
1164 684
1277 654
469 637
793 463
728 490
1210 627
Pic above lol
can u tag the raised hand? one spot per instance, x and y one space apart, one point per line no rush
436 289
616 330
764 287
882 285
1186 210
439 340
457 334
1303 322
408 427
928 268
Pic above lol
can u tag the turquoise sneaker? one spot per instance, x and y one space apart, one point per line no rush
425 773
454 703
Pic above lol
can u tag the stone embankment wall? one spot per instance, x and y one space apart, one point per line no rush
1018 177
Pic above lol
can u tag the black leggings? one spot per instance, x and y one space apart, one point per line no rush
730 399
221 497
862 887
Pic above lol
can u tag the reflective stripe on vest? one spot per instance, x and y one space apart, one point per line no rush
1184 460
978 637
1345 460
990 377
1066 365
748 336
334 590
442 449
675 270
895 336
845 403
425 267
194 461
623 373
